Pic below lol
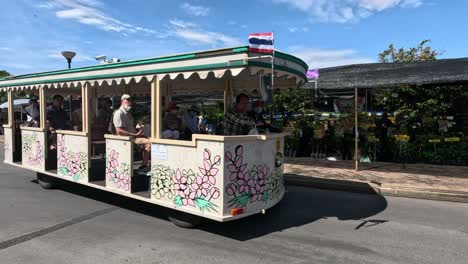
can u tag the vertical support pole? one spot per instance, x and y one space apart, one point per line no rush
11 111
156 122
272 64
226 96
70 105
43 118
273 70
356 135
42 108
85 108
11 120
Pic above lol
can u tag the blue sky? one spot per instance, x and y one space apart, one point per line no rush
322 32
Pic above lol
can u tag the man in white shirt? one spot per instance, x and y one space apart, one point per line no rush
125 126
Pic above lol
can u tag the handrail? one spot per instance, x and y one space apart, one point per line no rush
72 132
109 136
217 138
36 129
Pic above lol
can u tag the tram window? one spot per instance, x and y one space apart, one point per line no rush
185 115
26 109
64 112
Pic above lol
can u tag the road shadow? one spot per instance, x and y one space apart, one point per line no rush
300 206
111 199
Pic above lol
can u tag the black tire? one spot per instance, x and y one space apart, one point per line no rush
45 181
184 220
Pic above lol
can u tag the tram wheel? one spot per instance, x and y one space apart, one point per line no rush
45 181
184 220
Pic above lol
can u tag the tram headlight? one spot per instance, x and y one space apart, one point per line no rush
278 159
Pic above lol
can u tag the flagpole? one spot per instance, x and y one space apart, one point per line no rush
273 61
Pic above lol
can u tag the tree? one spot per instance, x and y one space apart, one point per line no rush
420 53
291 102
4 73
3 96
414 102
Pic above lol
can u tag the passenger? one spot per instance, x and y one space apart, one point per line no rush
56 119
100 124
145 125
32 112
172 124
125 126
236 121
104 114
257 116
77 117
190 123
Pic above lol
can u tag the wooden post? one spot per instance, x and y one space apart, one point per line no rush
85 108
226 96
11 110
42 108
356 136
156 122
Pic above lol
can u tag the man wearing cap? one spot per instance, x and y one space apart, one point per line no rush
125 126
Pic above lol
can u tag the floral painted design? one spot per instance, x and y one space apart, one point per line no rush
257 184
161 182
33 151
118 173
71 164
7 146
186 187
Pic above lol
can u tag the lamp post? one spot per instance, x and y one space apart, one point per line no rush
68 55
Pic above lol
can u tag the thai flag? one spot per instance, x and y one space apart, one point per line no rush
261 42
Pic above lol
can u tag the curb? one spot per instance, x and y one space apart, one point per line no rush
331 184
375 188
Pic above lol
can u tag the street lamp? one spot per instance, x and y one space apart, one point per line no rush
69 56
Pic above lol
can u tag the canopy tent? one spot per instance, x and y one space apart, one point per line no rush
213 64
343 79
16 103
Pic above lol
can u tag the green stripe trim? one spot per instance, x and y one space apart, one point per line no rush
186 56
214 66
288 57
279 67
233 64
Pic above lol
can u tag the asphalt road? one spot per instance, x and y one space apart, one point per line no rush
81 225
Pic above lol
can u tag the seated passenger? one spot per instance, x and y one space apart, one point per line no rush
57 119
102 120
190 123
172 124
77 117
32 112
125 126
236 121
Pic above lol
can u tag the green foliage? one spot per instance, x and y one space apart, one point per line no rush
419 53
409 102
3 95
412 103
290 102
